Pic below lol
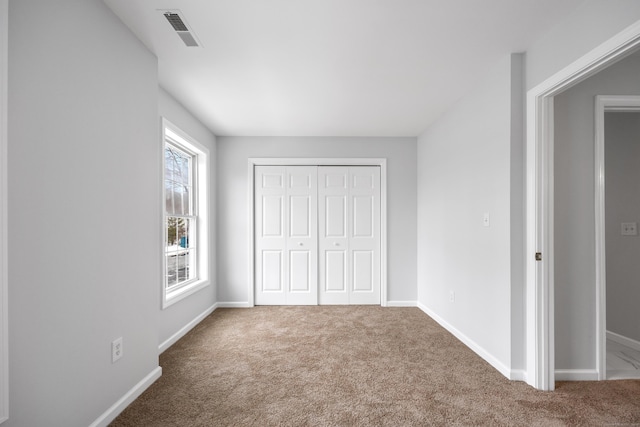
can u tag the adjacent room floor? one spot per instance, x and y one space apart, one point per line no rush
622 362
353 366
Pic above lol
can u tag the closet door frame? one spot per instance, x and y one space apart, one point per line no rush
289 161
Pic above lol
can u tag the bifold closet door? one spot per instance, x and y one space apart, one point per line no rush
286 235
349 234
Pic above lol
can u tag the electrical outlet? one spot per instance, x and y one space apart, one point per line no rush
629 228
116 350
452 296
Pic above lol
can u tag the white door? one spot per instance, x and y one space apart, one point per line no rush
349 234
286 235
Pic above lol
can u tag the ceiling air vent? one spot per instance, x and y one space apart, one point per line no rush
180 26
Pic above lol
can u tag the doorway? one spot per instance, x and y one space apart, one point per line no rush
617 239
540 201
371 266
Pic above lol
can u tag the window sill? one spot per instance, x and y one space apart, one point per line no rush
170 298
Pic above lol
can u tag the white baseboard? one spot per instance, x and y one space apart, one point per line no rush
576 375
402 303
620 339
488 357
126 400
234 304
186 328
518 375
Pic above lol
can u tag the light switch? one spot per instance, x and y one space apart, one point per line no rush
629 229
485 220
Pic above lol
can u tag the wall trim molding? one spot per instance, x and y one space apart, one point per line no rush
621 339
479 350
122 403
323 161
402 303
234 304
576 374
185 329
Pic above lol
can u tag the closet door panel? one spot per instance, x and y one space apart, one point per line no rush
270 238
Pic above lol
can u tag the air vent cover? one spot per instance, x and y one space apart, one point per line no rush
176 22
180 26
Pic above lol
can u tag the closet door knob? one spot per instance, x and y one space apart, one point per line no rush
336 244
300 244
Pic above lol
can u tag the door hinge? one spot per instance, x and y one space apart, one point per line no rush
538 256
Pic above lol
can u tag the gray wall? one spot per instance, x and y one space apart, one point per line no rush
622 180
471 163
177 315
574 215
83 211
590 25
233 208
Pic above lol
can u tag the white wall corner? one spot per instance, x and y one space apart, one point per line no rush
122 403
479 350
185 329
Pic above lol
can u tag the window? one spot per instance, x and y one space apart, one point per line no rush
185 224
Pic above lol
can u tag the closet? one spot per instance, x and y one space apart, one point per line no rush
317 235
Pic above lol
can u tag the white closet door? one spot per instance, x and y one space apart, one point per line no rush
349 234
286 235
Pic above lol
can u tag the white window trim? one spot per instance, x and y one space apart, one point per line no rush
181 139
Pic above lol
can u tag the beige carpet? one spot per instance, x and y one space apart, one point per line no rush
353 366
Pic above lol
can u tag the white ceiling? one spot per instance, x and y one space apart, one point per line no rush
332 67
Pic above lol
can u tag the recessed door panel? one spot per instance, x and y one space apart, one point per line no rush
362 271
335 180
299 216
363 216
335 278
272 218
272 180
335 216
299 271
299 180
272 271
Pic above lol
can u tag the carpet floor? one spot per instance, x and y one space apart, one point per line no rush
353 366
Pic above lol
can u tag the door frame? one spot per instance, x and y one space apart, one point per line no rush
306 161
540 350
604 103
4 262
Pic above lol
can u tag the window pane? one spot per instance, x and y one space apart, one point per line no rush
172 273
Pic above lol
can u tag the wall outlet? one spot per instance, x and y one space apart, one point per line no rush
452 296
629 228
116 350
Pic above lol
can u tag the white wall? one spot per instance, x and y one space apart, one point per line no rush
574 215
470 163
622 180
233 208
593 23
175 317
83 211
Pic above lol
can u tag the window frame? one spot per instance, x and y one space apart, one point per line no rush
174 136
